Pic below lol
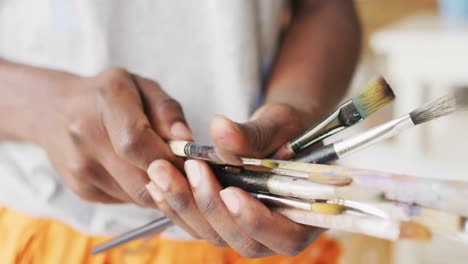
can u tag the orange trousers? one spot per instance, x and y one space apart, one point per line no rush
31 240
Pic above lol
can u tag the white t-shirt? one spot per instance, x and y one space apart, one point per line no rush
209 55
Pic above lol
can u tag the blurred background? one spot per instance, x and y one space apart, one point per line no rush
421 48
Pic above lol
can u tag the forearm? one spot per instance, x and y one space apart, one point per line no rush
317 57
23 94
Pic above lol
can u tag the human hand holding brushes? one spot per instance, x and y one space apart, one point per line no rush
232 216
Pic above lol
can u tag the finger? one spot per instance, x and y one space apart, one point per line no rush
269 228
131 179
101 178
206 190
86 136
270 127
166 209
127 126
80 184
178 195
128 177
165 114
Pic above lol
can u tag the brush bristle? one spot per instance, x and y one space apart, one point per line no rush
373 97
177 147
435 109
461 97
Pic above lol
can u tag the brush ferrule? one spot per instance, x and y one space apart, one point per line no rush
204 152
370 137
327 127
350 114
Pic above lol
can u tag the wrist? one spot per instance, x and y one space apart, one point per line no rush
26 99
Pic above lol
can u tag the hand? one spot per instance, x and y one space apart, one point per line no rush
101 133
231 216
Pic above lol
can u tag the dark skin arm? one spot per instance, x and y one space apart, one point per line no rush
312 70
100 133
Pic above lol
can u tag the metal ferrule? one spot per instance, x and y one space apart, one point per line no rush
379 133
300 188
346 115
203 152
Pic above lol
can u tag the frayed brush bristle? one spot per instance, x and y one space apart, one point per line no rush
440 107
461 97
373 97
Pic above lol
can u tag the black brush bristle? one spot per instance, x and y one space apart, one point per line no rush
440 107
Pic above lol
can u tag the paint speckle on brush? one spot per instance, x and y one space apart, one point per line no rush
328 174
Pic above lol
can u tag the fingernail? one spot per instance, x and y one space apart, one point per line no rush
154 192
180 131
193 172
160 177
230 200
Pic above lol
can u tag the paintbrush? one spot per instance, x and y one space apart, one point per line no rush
321 207
436 220
213 155
440 107
152 227
203 152
363 224
333 218
370 99
271 183
369 186
162 223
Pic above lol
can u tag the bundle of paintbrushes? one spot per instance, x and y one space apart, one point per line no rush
384 205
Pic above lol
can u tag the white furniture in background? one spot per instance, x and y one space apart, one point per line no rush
423 58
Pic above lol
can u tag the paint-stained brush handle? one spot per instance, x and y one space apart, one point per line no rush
362 224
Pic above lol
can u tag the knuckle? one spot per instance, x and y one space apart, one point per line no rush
207 206
153 83
79 129
250 248
90 194
115 72
169 105
131 139
142 197
115 82
216 240
82 170
181 201
256 224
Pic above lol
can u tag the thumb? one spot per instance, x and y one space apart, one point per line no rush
270 127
